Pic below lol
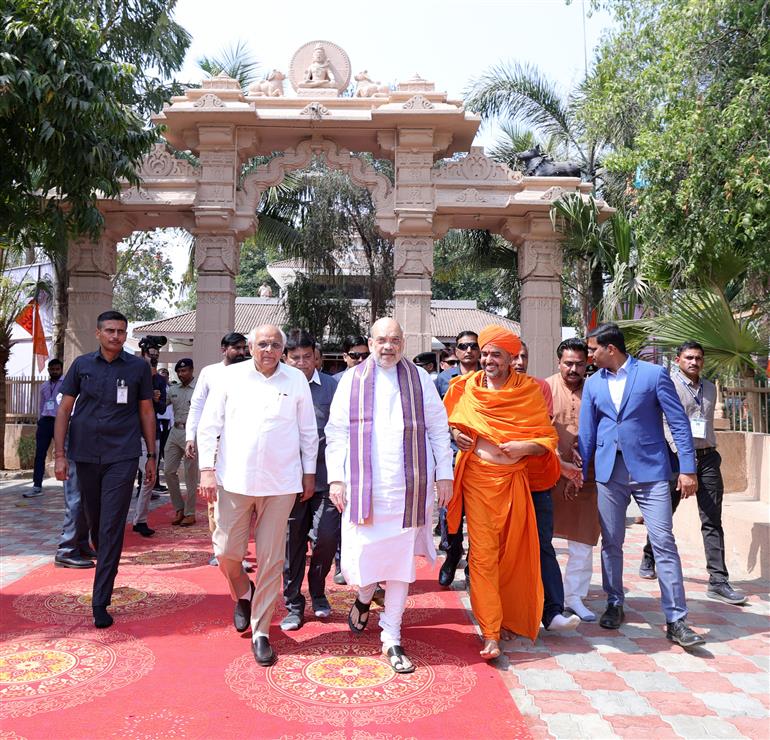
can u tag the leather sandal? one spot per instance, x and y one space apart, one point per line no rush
399 661
362 617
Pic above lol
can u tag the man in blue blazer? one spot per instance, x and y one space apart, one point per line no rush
621 425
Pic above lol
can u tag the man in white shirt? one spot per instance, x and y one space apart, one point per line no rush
259 424
387 444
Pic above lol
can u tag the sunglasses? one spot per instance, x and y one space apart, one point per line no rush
467 345
452 362
358 355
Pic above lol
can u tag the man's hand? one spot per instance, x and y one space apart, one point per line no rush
337 495
208 486
570 491
156 395
572 472
513 450
687 484
576 458
61 468
463 441
308 486
149 471
189 449
444 490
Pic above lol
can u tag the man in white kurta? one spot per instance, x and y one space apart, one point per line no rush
376 546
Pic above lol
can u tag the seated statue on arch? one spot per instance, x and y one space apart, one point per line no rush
319 73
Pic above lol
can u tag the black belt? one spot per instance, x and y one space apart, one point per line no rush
704 451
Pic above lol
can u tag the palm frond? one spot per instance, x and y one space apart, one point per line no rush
236 61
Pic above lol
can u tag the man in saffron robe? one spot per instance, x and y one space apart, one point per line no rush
386 445
500 422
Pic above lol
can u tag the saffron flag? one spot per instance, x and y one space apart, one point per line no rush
29 320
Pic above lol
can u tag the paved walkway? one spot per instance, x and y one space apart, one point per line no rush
631 684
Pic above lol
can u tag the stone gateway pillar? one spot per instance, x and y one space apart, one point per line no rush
413 266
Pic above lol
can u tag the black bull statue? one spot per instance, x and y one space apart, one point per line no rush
538 163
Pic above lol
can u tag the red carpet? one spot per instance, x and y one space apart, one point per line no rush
172 666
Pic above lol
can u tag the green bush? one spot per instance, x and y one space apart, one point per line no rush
26 451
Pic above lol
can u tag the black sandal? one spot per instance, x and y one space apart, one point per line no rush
362 618
399 661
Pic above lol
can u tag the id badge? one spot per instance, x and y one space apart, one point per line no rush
698 428
50 405
122 394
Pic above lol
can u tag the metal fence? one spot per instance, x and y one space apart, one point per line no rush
22 396
745 404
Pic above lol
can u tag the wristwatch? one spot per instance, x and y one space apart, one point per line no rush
150 455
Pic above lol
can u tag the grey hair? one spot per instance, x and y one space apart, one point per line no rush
253 333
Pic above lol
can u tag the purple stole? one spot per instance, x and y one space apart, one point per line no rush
415 452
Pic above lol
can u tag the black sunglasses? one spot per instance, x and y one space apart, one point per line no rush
358 355
451 362
467 345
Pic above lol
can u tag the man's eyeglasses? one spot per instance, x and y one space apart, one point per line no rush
467 345
452 363
264 346
358 355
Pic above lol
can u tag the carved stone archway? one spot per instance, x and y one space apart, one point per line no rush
414 126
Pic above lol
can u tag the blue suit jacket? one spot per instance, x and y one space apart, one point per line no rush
637 429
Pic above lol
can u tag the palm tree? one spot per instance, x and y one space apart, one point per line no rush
235 61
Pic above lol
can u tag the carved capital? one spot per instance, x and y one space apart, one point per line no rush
84 256
216 253
413 256
540 260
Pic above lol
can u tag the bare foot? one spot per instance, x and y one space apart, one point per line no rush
491 650
507 634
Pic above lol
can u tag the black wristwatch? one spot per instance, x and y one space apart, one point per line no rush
150 455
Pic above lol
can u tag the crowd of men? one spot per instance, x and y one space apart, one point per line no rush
351 466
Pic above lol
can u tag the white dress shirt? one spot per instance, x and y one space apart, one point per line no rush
203 385
266 428
616 383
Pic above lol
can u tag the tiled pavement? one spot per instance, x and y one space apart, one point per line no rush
595 684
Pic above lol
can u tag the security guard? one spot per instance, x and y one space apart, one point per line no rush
114 408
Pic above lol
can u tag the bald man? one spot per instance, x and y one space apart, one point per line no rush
259 424
387 448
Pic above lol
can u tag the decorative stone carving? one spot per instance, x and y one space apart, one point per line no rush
319 65
160 163
133 195
216 254
539 260
209 100
470 195
416 84
418 102
552 194
222 81
271 86
475 166
85 256
217 166
413 257
316 111
367 88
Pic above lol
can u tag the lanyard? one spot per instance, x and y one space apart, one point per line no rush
697 397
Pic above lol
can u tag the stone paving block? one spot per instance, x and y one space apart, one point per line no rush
614 643
639 629
576 727
558 702
668 703
747 619
594 680
584 662
709 681
703 727
749 683
537 728
631 662
536 661
525 702
575 643
652 681
619 702
750 646
535 680
642 727
751 727
732 705
681 661
762 662
738 664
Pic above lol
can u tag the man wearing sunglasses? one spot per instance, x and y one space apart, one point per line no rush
467 354
355 349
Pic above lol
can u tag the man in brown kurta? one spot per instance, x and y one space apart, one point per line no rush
575 513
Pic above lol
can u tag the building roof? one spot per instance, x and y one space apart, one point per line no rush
448 318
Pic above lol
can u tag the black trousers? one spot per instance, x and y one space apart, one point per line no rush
105 490
553 586
317 520
43 437
710 494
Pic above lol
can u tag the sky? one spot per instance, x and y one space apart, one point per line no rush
448 42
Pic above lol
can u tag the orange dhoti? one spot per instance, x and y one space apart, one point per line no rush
504 559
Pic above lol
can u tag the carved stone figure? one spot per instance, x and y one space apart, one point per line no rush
271 86
319 73
367 88
538 163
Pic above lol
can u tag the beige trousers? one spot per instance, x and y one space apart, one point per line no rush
232 514
173 457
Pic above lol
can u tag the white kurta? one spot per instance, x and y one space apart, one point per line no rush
383 550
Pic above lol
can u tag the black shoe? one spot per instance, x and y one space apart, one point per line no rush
612 617
158 487
242 613
647 569
339 579
683 635
143 529
263 651
291 622
726 593
102 618
87 552
446 575
72 561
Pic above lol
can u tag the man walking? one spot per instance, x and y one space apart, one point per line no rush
387 444
698 396
575 513
499 421
260 426
48 405
621 430
114 409
355 350
316 517
179 398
